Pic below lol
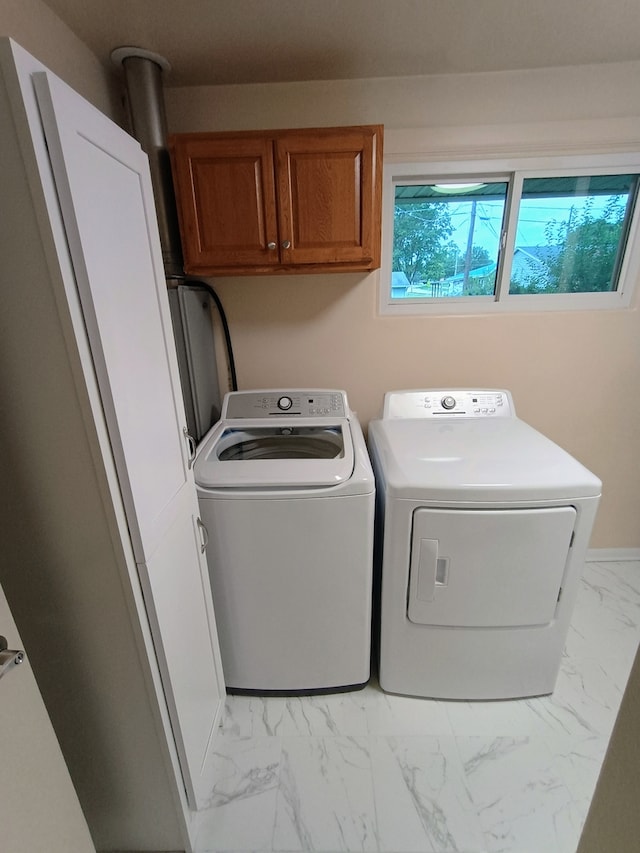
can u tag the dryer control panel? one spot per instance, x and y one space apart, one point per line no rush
292 403
449 402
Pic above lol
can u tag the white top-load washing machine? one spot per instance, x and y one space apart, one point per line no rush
484 526
287 495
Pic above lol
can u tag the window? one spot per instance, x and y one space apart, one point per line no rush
472 237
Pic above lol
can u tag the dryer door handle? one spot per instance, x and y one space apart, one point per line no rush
424 566
427 573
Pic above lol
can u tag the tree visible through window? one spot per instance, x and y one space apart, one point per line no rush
447 237
570 234
585 221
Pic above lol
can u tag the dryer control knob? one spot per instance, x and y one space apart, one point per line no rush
285 403
448 402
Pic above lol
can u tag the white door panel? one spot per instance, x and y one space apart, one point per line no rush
187 645
39 809
103 184
488 568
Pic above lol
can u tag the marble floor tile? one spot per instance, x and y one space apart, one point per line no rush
245 716
578 762
609 598
370 771
509 717
305 716
389 714
521 799
612 651
338 714
325 799
422 803
587 692
241 811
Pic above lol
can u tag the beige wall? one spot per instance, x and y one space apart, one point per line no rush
573 375
37 29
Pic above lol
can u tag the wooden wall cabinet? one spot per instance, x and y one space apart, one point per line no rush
282 201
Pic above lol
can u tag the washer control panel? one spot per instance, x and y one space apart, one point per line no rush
449 402
302 404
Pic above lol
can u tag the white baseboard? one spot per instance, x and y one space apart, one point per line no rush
612 555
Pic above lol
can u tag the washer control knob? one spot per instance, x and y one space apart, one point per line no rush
448 402
285 403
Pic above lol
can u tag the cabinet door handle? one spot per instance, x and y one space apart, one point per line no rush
272 246
191 444
204 535
286 244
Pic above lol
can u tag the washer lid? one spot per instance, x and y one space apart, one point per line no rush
476 460
262 454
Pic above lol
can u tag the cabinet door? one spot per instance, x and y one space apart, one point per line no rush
177 591
226 201
104 187
329 196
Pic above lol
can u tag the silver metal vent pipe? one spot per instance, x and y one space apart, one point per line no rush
143 78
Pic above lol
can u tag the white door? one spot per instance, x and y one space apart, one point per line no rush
39 809
104 187
177 591
488 568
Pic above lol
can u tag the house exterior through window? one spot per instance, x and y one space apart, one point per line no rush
538 235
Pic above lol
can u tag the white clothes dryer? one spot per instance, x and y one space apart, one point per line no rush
483 529
287 495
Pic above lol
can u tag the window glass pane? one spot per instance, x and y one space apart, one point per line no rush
571 233
446 239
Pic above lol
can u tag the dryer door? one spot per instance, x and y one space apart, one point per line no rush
488 568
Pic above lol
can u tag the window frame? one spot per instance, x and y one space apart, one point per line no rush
515 170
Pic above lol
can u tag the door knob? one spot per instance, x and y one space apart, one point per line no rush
286 244
8 657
